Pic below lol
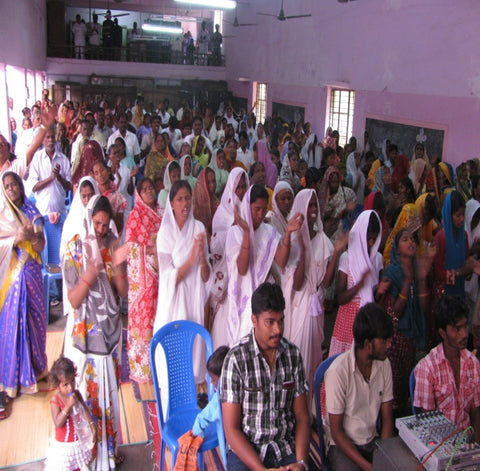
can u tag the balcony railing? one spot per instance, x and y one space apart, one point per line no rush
157 51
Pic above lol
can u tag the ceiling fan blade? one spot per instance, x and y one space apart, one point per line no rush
121 14
247 24
266 14
297 16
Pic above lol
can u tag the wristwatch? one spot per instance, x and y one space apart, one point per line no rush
305 465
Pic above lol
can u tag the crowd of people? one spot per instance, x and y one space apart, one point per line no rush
105 41
188 214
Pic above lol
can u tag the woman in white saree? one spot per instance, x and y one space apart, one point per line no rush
183 268
310 267
252 245
223 219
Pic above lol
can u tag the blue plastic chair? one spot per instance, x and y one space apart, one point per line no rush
411 385
51 256
317 386
176 339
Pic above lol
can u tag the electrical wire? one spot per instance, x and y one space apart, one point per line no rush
457 446
437 447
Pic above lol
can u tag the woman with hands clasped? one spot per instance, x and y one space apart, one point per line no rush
95 274
310 268
406 301
183 269
23 361
358 278
252 245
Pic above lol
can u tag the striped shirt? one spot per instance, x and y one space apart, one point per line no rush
267 416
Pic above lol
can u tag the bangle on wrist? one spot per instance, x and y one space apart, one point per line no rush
402 296
305 465
245 248
86 282
423 295
63 412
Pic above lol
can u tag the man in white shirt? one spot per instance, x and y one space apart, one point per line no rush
174 133
181 109
163 114
101 127
50 176
86 133
79 30
244 154
130 138
203 40
230 118
358 387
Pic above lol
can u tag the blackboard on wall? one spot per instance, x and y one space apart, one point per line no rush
289 112
238 103
405 134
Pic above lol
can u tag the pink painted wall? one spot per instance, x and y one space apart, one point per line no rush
407 59
459 114
23 33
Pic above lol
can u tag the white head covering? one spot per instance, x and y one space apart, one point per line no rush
222 221
75 215
259 265
221 175
358 178
173 240
314 272
472 206
471 285
360 259
275 217
224 215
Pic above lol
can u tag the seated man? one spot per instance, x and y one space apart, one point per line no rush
263 393
358 386
448 378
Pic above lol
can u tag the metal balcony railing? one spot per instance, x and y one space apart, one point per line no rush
150 50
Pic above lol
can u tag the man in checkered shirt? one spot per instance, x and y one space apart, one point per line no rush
263 393
448 378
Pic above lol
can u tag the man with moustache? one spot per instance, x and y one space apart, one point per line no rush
448 378
263 393
358 386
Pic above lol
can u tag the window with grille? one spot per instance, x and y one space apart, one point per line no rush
261 99
341 113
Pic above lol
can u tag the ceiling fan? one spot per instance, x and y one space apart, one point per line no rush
104 13
281 16
236 22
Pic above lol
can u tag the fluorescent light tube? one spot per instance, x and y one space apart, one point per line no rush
225 4
161 29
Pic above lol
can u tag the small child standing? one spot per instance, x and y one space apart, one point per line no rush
66 452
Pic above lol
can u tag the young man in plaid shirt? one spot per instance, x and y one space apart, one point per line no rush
448 378
263 393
